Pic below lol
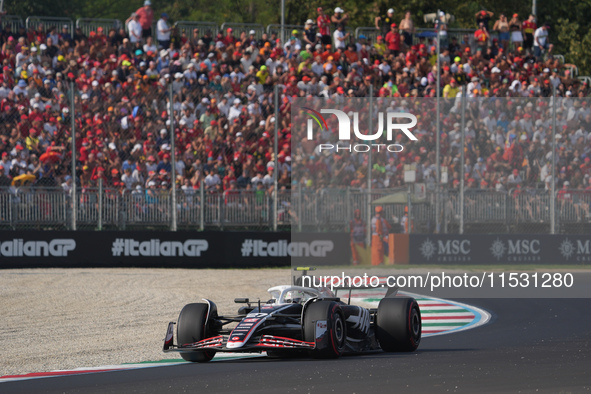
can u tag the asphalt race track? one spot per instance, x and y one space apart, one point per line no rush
530 345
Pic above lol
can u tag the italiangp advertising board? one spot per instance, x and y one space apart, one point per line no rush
186 249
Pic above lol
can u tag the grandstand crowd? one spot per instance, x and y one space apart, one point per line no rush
223 103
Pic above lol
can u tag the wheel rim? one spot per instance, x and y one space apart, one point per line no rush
339 330
416 324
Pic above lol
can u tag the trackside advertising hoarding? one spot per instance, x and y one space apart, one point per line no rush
500 249
28 249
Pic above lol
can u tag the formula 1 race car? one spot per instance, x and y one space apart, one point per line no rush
297 320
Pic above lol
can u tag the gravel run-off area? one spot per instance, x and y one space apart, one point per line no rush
69 318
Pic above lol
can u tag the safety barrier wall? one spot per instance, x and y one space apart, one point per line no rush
183 249
215 249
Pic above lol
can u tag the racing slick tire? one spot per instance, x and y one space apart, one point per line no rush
191 328
336 328
398 324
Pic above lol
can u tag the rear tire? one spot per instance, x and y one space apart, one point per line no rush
191 328
336 328
398 324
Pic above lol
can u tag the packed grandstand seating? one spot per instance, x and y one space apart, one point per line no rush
224 120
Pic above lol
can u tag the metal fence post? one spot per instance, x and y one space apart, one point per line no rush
222 210
438 132
12 209
73 148
100 204
348 205
300 208
553 185
173 224
202 205
438 196
506 210
462 159
275 152
282 24
409 204
123 211
368 227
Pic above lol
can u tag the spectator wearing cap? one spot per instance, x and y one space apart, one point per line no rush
516 34
235 110
134 28
474 85
251 38
4 179
384 22
309 35
163 30
164 164
163 138
201 108
65 34
22 58
323 23
190 73
514 179
229 38
380 46
451 89
407 27
339 17
21 88
393 40
146 18
483 16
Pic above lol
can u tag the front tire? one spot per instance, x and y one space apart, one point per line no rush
191 328
398 324
336 328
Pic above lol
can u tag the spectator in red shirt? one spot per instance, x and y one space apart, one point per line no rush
529 27
323 22
393 40
146 15
481 36
229 39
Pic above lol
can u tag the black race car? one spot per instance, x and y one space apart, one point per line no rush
297 320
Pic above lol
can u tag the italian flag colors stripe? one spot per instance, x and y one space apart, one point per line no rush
438 316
